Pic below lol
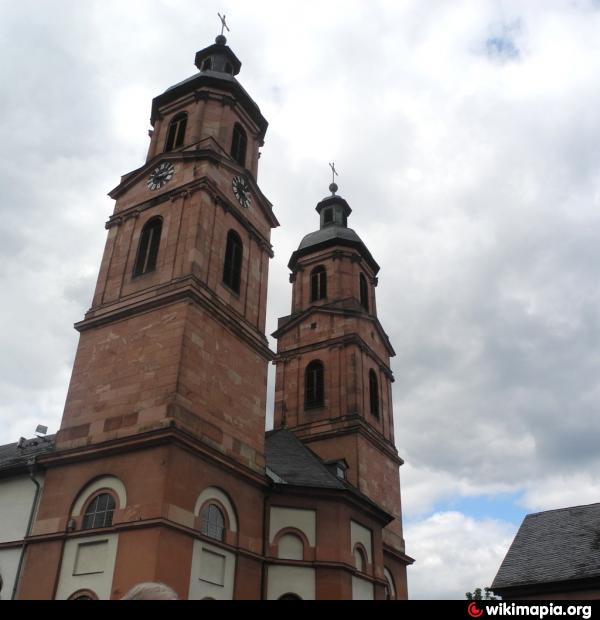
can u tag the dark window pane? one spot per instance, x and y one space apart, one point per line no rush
148 247
318 284
171 137
103 502
314 385
176 132
374 393
364 293
238 145
100 512
213 522
232 268
181 124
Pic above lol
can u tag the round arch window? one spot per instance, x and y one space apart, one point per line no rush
83 595
360 558
390 590
212 522
289 597
99 512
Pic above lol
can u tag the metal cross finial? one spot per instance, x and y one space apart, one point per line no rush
223 23
334 172
333 188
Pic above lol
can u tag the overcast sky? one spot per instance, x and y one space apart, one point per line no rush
467 137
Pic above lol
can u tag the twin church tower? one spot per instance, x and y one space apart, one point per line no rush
162 469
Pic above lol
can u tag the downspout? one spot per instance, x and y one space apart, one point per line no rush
263 577
32 466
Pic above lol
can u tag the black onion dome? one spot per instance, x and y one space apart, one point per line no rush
333 212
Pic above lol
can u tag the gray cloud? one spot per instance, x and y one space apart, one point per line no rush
475 184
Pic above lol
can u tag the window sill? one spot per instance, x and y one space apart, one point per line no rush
231 290
137 276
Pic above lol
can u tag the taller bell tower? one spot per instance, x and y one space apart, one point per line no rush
175 334
164 420
333 376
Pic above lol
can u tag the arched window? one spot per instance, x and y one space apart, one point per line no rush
176 132
360 558
374 393
148 247
318 283
238 144
289 597
99 512
83 595
390 590
207 64
290 547
314 385
232 269
364 292
213 522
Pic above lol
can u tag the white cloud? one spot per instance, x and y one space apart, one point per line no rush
455 554
562 491
422 488
474 182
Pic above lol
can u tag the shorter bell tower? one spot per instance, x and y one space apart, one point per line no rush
333 378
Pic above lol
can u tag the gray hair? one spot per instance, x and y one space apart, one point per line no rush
150 591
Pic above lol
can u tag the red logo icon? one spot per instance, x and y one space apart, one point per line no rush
474 611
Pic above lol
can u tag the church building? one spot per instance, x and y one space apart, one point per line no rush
161 469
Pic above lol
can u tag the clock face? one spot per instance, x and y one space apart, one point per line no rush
160 176
241 189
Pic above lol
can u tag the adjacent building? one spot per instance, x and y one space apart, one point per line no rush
553 556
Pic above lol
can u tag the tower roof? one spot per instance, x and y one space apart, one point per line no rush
217 66
333 212
220 56
294 464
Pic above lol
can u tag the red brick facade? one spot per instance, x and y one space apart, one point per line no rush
168 391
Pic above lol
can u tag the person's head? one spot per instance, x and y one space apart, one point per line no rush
151 592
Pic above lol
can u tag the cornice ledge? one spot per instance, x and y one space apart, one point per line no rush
156 437
345 340
185 290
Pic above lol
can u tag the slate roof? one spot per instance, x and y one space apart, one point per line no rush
332 235
327 234
553 546
293 463
290 462
216 79
216 74
14 458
